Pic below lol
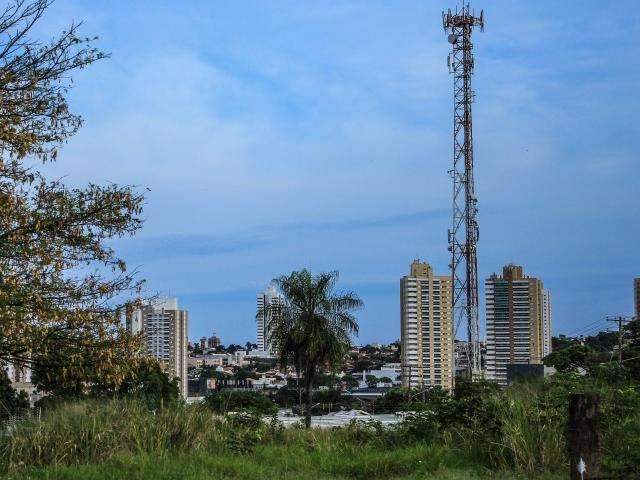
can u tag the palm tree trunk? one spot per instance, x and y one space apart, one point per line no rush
308 382
298 371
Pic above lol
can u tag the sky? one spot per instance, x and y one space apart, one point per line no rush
280 135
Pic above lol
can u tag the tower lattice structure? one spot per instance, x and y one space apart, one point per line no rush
464 234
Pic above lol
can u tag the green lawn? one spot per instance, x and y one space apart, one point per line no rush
281 463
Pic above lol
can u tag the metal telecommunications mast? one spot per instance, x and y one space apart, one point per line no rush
464 234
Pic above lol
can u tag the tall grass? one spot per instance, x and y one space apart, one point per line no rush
120 431
93 431
532 433
520 429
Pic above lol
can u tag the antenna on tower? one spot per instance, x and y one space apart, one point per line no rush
464 234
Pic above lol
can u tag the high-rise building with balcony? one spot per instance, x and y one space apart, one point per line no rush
426 328
165 331
518 322
267 303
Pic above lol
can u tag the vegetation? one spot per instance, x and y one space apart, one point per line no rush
11 402
313 326
520 430
226 401
63 290
116 439
569 359
315 456
591 353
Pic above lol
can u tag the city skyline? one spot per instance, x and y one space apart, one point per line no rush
244 121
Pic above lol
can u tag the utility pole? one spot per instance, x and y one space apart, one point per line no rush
619 320
584 436
464 233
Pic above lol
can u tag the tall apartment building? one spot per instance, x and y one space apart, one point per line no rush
518 321
636 295
546 323
426 328
269 298
165 330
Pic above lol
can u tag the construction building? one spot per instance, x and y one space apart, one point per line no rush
518 314
426 330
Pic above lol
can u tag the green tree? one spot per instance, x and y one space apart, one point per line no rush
11 402
233 348
631 351
602 341
312 328
350 381
226 401
558 343
244 374
371 380
63 290
568 359
149 382
325 380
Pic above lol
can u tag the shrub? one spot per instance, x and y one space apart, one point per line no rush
420 427
225 401
11 402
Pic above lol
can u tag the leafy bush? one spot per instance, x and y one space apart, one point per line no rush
420 427
11 402
225 401
287 397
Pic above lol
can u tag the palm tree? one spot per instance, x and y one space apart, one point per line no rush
312 326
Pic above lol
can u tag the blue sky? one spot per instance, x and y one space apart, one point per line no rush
286 134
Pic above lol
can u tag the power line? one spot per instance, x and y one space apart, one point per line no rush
597 324
594 330
619 320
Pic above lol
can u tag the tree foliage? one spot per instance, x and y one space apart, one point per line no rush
631 350
63 290
312 328
149 382
568 359
11 402
225 401
350 382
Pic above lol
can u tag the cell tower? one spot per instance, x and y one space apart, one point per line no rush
464 233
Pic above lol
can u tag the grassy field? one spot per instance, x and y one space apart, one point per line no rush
517 433
282 463
123 439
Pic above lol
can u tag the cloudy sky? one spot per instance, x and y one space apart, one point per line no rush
276 135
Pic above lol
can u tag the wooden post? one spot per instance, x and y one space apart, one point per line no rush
584 436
